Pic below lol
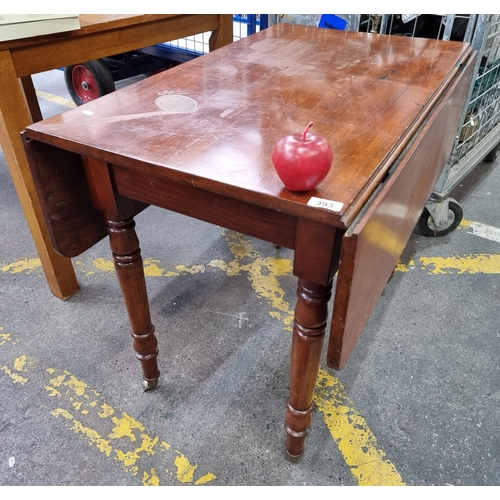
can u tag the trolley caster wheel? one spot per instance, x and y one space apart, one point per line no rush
427 226
492 155
88 81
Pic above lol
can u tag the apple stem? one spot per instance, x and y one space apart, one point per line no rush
310 124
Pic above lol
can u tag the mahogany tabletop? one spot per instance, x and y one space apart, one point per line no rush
213 121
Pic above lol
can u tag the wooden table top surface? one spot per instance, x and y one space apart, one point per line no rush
212 122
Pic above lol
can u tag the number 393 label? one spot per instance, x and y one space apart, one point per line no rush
334 206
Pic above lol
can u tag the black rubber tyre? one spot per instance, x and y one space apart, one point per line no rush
88 81
492 155
426 224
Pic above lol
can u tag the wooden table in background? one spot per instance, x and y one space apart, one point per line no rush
99 36
199 143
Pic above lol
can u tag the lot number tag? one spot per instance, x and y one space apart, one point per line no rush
334 206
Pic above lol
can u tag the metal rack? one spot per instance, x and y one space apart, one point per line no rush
478 137
243 26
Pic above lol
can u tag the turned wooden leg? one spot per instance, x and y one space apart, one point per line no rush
311 313
129 269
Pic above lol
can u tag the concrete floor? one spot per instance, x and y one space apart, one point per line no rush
417 404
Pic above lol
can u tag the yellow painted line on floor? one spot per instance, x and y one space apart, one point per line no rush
470 264
352 435
404 268
4 336
467 264
22 266
56 99
121 437
265 283
358 445
262 274
16 377
347 427
18 365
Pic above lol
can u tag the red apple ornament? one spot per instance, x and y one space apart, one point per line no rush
302 160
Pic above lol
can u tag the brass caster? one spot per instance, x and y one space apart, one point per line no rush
149 385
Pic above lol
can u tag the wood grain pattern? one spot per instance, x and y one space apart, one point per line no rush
15 115
372 246
73 223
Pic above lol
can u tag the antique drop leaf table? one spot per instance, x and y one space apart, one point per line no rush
198 138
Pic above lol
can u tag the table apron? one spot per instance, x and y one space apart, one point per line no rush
253 220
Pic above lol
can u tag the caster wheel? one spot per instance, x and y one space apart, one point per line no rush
427 226
88 81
